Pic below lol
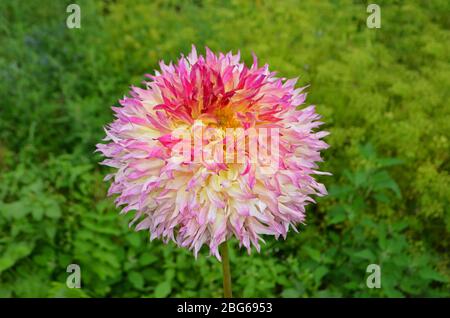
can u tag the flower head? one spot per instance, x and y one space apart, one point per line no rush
211 149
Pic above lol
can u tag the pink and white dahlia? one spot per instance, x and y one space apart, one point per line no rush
212 149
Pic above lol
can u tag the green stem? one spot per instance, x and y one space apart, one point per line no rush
226 270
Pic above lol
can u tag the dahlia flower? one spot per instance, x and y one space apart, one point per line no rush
212 149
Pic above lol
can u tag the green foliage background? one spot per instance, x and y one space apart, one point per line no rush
383 93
